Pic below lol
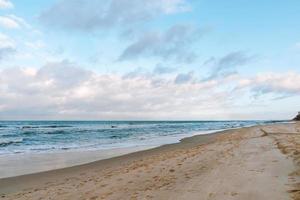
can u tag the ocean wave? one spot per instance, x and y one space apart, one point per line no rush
119 135
41 148
28 133
50 126
6 142
55 132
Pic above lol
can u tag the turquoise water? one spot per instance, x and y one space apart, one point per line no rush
56 136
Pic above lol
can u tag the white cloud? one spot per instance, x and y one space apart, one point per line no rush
4 4
7 22
12 22
173 6
6 41
39 44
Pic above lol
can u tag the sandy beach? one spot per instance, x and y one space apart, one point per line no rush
261 162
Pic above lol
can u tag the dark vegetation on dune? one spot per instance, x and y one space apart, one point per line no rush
297 118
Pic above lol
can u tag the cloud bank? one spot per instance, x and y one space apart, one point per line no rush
63 90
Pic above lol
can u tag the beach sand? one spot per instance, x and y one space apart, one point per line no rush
260 162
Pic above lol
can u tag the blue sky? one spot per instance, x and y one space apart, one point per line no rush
159 59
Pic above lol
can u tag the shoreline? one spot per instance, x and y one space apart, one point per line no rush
37 162
32 163
212 150
6 183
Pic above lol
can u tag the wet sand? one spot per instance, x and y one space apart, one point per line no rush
20 164
259 162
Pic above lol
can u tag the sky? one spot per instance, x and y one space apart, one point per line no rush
149 59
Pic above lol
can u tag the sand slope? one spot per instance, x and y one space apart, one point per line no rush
250 163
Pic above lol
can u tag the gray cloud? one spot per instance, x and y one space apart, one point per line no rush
279 86
160 69
4 52
64 74
138 72
94 14
225 66
279 90
7 46
175 44
183 78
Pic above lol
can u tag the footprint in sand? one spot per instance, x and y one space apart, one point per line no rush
234 194
103 185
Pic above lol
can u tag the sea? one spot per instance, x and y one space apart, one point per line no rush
20 137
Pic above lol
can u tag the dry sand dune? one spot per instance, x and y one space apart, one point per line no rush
250 163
